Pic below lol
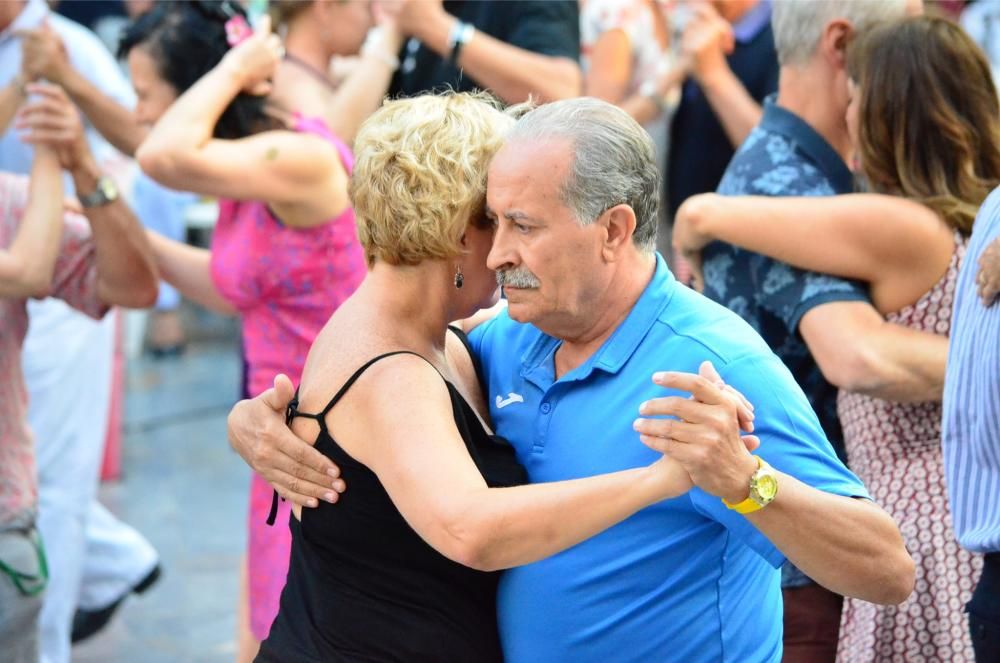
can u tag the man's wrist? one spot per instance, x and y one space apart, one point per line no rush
20 83
85 174
741 491
715 78
434 33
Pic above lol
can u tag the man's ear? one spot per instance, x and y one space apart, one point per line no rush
619 223
837 35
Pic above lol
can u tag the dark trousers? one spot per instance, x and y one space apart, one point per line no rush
812 624
984 612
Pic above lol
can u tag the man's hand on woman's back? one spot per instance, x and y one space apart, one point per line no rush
257 431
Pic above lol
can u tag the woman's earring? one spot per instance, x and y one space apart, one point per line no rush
459 279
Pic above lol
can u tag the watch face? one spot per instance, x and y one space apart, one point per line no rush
108 188
767 487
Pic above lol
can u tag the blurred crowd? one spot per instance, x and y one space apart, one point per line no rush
825 169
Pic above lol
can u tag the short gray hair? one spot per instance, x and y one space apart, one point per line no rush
798 24
614 160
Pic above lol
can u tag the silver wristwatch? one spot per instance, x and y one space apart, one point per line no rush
104 193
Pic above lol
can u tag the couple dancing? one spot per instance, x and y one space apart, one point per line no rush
616 549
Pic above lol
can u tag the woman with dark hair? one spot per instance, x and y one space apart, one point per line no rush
284 252
925 125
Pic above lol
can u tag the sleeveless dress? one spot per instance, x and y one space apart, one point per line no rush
363 585
286 283
895 448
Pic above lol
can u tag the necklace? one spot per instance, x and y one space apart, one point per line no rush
311 70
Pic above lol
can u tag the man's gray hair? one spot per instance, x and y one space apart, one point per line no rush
798 24
614 160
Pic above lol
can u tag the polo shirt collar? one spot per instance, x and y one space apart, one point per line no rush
751 24
538 363
31 17
786 123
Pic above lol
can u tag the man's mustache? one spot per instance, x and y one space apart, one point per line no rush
517 278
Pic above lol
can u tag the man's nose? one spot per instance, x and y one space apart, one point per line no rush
501 253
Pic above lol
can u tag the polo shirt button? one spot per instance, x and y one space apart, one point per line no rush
546 408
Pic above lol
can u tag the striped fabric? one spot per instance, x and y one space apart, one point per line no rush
971 426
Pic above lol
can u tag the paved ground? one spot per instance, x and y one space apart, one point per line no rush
186 491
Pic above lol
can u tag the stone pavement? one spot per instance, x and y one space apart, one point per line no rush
186 491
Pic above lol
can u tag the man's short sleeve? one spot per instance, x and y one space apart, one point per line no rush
75 277
792 441
789 293
551 27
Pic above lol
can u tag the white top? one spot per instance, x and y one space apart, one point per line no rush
87 54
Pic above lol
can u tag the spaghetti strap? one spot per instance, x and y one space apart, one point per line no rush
320 418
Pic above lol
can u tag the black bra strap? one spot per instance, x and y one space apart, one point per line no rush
292 412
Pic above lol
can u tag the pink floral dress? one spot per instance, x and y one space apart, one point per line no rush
286 283
895 448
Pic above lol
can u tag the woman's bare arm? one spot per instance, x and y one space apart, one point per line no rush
413 446
899 246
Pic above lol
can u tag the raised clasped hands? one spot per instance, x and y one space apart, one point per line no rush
705 439
254 60
706 41
43 55
408 16
50 119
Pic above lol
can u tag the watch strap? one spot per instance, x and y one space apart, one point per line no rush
749 505
460 35
100 196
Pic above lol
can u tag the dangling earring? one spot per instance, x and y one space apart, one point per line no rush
459 279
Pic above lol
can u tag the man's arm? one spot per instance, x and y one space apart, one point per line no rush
857 350
707 38
44 56
126 273
848 545
257 432
510 72
26 267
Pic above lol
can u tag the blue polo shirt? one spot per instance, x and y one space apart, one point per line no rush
686 579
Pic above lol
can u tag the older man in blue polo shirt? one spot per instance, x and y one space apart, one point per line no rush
593 311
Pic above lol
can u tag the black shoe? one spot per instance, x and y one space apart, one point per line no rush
88 622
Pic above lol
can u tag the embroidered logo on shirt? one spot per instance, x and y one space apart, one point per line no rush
511 398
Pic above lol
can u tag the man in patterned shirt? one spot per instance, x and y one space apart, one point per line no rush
800 148
91 263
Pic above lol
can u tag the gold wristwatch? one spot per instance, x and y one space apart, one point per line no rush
763 489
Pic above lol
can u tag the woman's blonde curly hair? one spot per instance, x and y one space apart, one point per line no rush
420 174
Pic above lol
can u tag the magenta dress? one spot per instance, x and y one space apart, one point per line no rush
286 283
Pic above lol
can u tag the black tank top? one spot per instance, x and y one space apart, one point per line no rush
363 586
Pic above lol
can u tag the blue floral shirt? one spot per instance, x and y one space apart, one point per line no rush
783 156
